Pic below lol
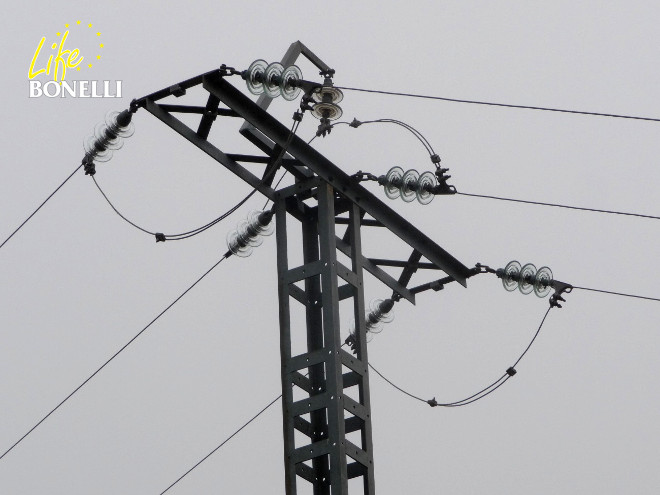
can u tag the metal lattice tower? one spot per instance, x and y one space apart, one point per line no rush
326 406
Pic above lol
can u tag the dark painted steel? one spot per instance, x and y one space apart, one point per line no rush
325 458
336 177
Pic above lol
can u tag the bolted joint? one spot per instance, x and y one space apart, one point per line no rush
436 286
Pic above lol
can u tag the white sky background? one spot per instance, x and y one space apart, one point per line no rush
77 282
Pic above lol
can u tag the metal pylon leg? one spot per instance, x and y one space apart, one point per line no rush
320 453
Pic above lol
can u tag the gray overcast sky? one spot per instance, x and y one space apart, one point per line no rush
77 282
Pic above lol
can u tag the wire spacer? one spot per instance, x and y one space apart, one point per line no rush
297 116
356 123
435 159
511 371
432 402
160 237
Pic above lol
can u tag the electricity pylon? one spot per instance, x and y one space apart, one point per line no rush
325 389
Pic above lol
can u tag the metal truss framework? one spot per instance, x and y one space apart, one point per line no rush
333 417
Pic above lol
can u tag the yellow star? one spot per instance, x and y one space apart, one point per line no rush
77 68
89 25
98 34
90 66
77 22
66 25
98 57
101 45
58 34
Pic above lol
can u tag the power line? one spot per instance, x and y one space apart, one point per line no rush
224 257
483 392
619 293
557 205
425 142
468 400
183 235
227 439
39 207
224 442
475 102
199 230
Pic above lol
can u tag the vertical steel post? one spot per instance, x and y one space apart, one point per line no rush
323 373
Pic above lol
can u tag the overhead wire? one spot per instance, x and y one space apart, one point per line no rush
228 438
507 105
483 392
224 257
425 142
558 205
39 207
223 442
618 293
199 230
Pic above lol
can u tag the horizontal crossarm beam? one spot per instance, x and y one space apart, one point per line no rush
334 176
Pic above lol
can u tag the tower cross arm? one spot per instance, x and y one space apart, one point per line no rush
335 176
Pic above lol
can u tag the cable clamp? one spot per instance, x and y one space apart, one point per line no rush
305 103
443 187
560 288
435 159
88 165
511 371
351 342
160 237
325 127
297 116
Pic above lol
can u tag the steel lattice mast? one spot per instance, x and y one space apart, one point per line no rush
326 405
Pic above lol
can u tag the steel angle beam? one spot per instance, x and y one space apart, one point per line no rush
209 148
